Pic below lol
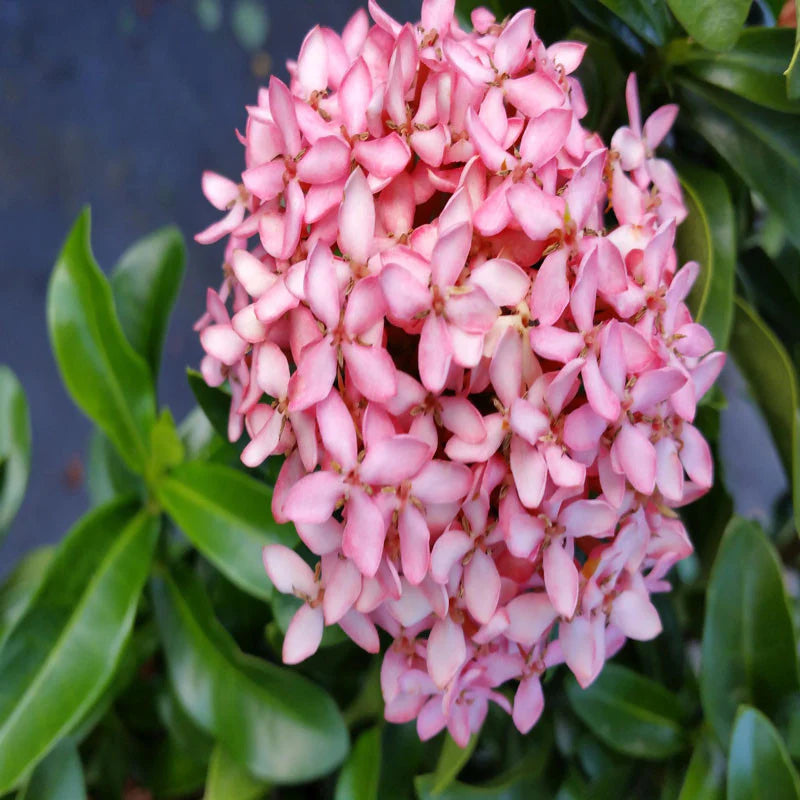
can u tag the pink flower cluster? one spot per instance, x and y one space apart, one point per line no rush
459 317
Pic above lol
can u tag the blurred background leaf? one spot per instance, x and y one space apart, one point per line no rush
15 447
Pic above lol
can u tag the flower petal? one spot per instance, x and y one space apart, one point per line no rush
447 651
389 462
288 572
357 219
342 589
481 586
303 634
560 579
414 543
364 532
313 498
372 370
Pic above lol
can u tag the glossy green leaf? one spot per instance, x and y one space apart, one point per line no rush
274 722
145 283
761 145
21 587
226 779
66 646
139 648
226 515
647 18
360 775
107 379
705 777
107 475
708 236
772 378
58 777
452 759
759 768
748 653
15 447
753 68
631 714
716 24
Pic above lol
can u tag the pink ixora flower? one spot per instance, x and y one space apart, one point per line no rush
461 318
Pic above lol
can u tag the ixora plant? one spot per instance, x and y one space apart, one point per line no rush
456 408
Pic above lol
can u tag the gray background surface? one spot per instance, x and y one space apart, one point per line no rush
120 105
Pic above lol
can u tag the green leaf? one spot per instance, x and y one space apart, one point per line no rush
21 587
65 648
226 515
15 447
752 69
107 379
761 145
708 236
759 768
226 779
178 765
145 283
452 759
182 727
405 757
521 782
647 18
631 714
139 648
705 777
793 70
171 771
748 650
772 378
274 722
716 24
58 777
360 775
166 447
107 476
